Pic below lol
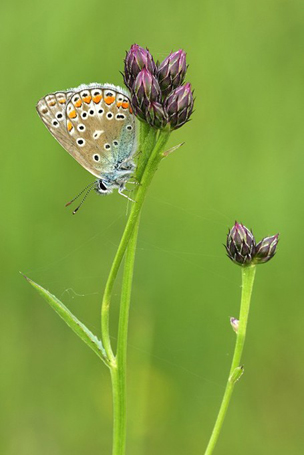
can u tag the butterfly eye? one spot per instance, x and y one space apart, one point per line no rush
115 143
84 94
129 127
81 127
120 116
109 94
80 142
96 157
100 111
107 146
59 115
55 123
84 115
109 115
96 93
91 112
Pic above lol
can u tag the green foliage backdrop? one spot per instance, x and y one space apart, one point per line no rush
242 159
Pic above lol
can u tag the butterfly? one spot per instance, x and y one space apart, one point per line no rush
95 124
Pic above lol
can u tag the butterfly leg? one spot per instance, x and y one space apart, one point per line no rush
120 191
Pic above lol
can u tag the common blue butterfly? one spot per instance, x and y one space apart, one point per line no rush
95 124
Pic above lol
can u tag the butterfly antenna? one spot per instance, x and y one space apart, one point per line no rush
84 198
74 199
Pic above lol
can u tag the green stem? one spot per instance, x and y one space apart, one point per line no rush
119 372
146 179
144 129
248 274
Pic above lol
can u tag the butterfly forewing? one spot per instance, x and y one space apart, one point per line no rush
102 127
95 124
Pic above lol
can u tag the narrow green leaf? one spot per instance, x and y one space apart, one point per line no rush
78 327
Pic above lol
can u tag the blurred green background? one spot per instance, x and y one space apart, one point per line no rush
242 159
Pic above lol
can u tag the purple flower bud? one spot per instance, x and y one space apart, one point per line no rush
146 87
266 249
171 72
179 106
240 246
146 90
156 115
138 108
136 59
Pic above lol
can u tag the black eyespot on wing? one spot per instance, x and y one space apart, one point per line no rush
80 142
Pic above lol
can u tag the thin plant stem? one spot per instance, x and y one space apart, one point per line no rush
147 176
119 372
153 148
248 274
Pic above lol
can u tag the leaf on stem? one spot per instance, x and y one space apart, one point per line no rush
78 327
236 374
172 149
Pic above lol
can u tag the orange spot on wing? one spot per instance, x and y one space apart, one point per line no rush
130 110
70 126
78 103
97 98
62 101
119 104
125 105
87 99
52 103
109 99
72 114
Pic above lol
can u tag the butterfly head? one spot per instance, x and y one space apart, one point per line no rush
103 187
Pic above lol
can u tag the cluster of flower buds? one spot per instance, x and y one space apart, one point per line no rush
158 93
242 248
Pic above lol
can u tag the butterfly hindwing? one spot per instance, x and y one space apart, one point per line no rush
51 109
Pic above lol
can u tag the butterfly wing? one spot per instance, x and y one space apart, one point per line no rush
95 125
51 110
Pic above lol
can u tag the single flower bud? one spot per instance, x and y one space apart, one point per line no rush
145 91
240 246
136 59
179 106
266 249
156 115
138 109
171 71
